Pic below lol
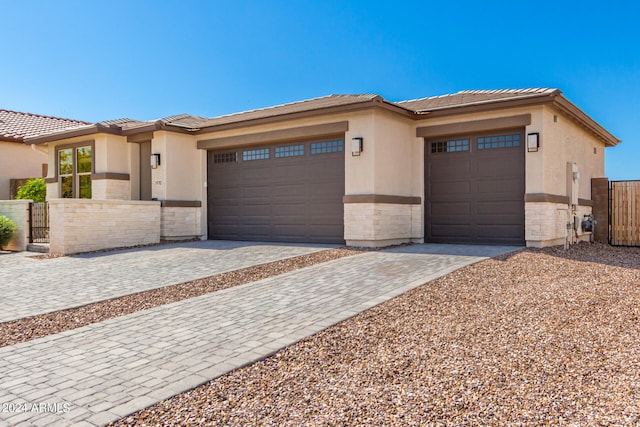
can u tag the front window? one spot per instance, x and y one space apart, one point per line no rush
75 166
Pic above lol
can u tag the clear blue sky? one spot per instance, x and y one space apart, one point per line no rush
99 60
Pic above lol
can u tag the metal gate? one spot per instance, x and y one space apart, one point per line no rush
624 198
39 222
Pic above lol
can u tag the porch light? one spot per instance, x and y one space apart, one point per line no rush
533 142
155 160
356 146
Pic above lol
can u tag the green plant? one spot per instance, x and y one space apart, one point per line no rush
34 189
7 230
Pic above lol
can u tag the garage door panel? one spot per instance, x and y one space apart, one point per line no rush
451 187
509 185
500 207
476 196
503 231
455 208
454 167
450 231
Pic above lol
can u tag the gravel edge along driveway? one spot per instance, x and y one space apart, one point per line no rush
535 337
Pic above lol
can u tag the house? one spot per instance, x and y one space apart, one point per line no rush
487 166
19 161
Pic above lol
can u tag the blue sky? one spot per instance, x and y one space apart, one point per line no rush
99 60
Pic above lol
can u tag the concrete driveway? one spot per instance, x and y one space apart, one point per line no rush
110 369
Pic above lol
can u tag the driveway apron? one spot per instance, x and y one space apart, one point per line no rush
99 373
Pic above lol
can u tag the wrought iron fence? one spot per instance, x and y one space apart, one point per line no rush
39 222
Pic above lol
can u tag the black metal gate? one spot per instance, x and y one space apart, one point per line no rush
39 222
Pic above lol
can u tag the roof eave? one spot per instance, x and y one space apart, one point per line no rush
73 133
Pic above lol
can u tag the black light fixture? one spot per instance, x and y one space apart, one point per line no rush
533 142
356 146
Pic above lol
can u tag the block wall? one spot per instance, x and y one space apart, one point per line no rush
546 223
80 225
180 222
381 224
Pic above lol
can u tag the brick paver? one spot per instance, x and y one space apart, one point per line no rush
107 370
35 286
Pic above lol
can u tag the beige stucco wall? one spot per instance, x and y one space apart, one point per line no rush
564 141
81 225
18 212
18 160
180 175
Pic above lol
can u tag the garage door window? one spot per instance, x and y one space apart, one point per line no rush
450 146
225 157
290 151
502 141
327 147
259 154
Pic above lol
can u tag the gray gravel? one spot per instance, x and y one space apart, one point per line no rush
534 338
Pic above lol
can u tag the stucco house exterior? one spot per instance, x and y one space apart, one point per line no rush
495 167
18 160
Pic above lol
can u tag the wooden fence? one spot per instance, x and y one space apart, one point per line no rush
625 213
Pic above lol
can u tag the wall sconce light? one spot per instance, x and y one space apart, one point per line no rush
155 160
356 146
533 142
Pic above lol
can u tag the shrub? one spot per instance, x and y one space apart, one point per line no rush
34 189
7 230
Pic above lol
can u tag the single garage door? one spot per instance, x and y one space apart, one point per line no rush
283 193
474 188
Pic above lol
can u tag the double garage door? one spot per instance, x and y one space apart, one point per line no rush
287 193
474 188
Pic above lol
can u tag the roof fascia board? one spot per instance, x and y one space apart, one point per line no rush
10 139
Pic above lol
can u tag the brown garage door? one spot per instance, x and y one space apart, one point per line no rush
474 188
285 193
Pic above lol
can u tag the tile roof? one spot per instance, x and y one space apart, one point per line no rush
473 97
185 120
293 107
15 126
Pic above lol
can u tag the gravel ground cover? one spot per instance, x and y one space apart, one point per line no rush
30 328
538 337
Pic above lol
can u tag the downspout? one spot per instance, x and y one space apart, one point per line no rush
43 152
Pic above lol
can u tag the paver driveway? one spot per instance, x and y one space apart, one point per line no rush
35 286
96 374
